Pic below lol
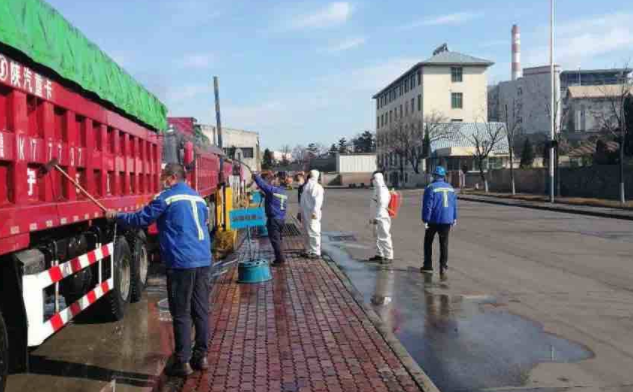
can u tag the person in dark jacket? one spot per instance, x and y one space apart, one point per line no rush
185 247
439 214
300 180
275 205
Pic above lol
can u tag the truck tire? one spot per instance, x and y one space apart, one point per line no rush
117 300
140 265
4 354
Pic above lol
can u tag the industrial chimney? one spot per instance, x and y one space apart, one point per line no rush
516 53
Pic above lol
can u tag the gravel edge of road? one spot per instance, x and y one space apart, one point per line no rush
546 207
416 372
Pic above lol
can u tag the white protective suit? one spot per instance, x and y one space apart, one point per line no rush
311 203
382 228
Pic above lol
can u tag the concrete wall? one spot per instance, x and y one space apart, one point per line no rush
356 163
593 181
437 84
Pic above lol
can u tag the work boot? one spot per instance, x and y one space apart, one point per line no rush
443 270
179 369
376 258
426 270
386 261
200 363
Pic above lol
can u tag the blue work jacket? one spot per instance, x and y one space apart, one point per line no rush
439 205
275 199
182 218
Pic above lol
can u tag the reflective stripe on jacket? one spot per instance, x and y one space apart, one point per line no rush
439 205
182 218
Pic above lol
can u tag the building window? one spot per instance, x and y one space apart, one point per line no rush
457 74
390 116
419 102
419 78
406 86
400 110
457 100
457 120
400 90
247 152
378 122
406 110
412 105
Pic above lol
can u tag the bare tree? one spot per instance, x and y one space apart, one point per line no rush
485 138
399 141
436 127
286 152
612 118
513 128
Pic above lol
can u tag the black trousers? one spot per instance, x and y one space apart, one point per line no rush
429 236
274 227
188 291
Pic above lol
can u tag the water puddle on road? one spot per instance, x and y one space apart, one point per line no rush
464 343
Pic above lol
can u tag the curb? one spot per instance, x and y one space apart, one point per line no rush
557 208
417 373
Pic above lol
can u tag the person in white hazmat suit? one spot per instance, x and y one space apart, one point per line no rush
311 203
380 219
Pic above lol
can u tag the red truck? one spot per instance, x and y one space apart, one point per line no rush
58 255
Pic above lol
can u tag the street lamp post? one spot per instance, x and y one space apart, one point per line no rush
552 103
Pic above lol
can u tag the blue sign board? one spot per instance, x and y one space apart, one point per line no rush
257 198
248 217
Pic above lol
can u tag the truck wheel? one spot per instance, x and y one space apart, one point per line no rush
4 354
140 265
119 297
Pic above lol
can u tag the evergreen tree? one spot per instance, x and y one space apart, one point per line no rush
268 161
342 145
527 155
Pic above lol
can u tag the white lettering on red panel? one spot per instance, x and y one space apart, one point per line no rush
30 179
1 145
48 86
4 68
16 74
50 151
24 78
28 80
21 142
72 156
39 86
33 149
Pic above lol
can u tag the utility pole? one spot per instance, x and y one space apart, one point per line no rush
552 103
218 121
622 140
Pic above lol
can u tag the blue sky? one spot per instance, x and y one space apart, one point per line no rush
304 71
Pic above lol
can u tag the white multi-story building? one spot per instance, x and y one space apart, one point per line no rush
449 85
527 101
244 144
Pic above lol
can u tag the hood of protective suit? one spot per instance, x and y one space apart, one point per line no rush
312 196
379 181
380 200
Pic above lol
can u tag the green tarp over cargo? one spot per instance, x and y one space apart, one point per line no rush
36 29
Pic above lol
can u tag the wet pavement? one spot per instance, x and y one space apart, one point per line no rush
534 300
302 331
465 343
126 356
94 356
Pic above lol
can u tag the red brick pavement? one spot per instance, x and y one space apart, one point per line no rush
302 331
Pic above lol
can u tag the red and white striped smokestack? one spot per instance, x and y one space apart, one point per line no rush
516 53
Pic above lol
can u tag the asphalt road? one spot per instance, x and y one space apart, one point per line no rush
534 300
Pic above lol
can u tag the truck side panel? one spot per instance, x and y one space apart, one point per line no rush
114 158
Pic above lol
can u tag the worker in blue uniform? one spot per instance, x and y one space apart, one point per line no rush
439 214
275 205
185 247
